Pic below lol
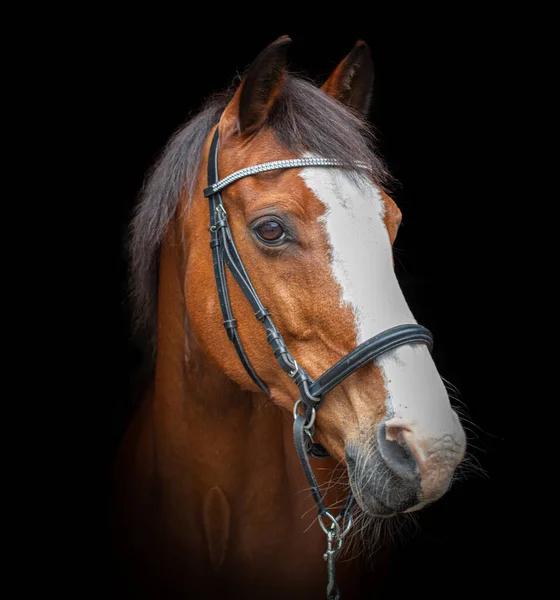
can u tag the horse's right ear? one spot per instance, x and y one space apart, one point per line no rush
352 81
260 87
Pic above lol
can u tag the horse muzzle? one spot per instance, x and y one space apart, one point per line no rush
400 471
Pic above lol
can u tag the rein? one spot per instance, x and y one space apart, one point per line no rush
312 392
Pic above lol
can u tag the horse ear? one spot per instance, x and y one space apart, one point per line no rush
260 87
352 81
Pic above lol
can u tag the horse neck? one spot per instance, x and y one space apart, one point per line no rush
210 467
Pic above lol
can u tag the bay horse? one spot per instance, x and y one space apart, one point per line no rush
210 497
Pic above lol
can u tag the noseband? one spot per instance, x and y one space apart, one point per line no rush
312 392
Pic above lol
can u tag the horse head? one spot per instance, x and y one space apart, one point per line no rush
317 245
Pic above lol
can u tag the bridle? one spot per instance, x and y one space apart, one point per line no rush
312 392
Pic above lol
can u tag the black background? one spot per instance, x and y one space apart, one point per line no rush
133 79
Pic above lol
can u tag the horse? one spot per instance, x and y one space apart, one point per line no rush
271 202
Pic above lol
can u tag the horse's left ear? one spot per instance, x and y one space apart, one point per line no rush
259 89
352 81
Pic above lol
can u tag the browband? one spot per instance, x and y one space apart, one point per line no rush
289 163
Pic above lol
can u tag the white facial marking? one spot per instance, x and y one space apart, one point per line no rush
361 260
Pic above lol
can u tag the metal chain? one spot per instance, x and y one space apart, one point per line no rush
333 592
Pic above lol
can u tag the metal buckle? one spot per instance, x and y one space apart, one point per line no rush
309 425
334 529
293 373
221 216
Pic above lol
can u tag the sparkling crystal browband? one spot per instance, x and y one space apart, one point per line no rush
276 164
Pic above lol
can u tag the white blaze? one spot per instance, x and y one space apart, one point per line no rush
361 258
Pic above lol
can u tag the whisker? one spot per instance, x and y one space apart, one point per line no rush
450 386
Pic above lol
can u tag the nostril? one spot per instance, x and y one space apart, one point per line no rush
395 451
395 433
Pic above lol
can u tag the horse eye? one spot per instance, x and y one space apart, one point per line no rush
270 231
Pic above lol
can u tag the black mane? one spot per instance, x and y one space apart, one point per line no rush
304 119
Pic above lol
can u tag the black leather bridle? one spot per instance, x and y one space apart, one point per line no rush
312 392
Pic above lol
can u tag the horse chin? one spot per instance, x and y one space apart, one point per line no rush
373 507
367 498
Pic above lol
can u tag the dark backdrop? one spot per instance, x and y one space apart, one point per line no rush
436 106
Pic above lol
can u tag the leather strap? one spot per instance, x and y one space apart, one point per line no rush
303 443
224 252
218 244
370 350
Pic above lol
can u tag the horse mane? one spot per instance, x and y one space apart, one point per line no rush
304 119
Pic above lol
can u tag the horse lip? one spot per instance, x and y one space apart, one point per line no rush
377 504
